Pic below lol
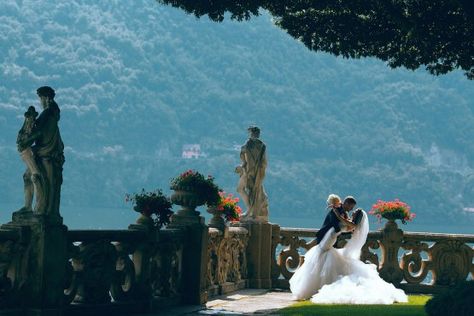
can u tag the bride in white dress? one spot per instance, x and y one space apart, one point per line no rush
330 275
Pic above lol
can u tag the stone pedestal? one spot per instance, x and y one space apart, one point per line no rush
392 238
195 257
217 220
43 262
259 253
178 221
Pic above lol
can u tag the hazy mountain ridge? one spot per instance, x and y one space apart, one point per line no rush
135 81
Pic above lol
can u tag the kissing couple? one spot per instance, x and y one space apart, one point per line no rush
338 276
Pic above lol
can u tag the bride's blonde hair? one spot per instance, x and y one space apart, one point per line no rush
334 200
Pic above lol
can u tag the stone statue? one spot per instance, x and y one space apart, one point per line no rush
252 173
46 159
33 179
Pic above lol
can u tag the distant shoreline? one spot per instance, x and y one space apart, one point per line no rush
119 218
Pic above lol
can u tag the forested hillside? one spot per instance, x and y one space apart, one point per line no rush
136 81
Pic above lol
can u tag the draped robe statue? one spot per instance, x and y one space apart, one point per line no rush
252 174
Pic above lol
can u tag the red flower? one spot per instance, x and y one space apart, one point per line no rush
228 206
395 209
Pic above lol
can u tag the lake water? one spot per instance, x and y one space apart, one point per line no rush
120 218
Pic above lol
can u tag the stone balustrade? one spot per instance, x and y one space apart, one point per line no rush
415 262
227 261
129 268
106 271
143 269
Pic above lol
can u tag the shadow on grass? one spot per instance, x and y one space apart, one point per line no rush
414 307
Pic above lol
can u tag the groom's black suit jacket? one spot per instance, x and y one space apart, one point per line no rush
330 221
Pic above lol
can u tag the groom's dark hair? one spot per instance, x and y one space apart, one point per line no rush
350 199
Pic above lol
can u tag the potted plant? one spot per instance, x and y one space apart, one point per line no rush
192 189
154 207
392 210
226 210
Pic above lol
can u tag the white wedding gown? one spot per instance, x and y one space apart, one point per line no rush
330 275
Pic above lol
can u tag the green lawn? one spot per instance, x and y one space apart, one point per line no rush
414 307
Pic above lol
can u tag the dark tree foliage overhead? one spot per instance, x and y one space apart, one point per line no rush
437 34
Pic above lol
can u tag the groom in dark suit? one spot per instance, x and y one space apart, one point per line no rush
331 219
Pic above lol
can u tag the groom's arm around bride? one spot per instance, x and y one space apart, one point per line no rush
337 216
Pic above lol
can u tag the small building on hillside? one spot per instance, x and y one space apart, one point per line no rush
191 151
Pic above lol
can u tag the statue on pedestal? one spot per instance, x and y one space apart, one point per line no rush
41 148
252 173
33 179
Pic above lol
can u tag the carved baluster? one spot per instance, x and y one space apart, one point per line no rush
166 269
243 255
124 279
159 282
391 241
369 256
235 270
167 249
97 262
289 258
472 265
142 266
73 273
176 268
224 260
452 261
276 240
415 269
212 263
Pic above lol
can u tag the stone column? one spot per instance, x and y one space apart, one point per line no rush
392 238
259 253
141 259
44 263
195 258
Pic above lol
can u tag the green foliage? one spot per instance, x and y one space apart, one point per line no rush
456 301
141 80
194 181
152 203
436 33
414 307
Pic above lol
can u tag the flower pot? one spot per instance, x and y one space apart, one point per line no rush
145 220
217 220
391 224
188 199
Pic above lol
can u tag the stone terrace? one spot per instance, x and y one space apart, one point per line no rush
242 302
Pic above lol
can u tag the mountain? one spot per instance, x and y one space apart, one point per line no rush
136 81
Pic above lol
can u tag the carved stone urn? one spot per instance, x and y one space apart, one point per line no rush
145 219
390 225
217 220
188 199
